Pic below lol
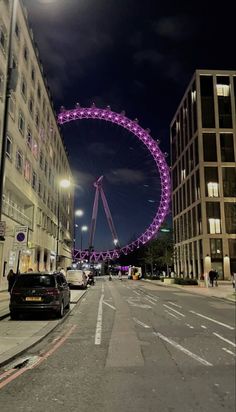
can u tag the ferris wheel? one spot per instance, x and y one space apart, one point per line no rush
151 145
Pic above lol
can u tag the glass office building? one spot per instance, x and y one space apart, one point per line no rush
203 159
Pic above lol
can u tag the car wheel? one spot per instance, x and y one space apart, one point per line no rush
14 315
61 310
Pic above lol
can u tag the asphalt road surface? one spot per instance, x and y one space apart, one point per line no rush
130 346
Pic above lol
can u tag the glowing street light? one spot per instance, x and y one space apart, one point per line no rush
79 212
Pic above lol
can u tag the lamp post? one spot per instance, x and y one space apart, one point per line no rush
83 229
63 184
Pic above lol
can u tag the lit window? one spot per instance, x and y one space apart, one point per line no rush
193 96
213 189
183 174
222 90
214 225
27 171
35 149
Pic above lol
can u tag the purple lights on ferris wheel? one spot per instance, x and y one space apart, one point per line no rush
144 136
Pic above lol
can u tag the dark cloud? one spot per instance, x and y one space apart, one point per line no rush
125 176
100 149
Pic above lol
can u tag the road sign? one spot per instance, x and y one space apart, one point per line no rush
21 237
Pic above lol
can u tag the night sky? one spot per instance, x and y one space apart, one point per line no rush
133 55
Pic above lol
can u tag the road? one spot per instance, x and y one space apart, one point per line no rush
130 346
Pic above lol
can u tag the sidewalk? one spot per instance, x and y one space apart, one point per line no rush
18 336
224 290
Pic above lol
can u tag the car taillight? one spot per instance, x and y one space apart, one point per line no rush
16 292
53 292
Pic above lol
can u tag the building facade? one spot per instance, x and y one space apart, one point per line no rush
36 160
203 159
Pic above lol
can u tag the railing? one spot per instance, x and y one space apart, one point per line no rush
10 209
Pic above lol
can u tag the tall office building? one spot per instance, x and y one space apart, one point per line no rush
36 159
203 158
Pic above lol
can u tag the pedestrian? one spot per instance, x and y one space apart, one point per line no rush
212 277
11 277
216 277
234 280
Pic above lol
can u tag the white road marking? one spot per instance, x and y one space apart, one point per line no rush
137 293
149 300
155 298
98 333
108 304
212 320
226 340
229 351
203 327
171 314
176 311
174 304
141 323
190 326
103 288
182 349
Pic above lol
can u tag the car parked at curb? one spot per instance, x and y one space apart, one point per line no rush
39 292
77 278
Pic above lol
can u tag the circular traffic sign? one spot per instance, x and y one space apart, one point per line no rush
20 237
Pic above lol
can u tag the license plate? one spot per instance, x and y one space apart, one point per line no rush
33 298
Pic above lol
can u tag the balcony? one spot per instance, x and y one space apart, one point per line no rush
10 209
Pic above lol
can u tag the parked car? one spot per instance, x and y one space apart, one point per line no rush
77 278
39 292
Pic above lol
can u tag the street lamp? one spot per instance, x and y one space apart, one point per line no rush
83 229
63 184
79 212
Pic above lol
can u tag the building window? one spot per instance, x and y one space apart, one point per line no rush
29 139
31 106
9 147
27 171
40 188
207 101
39 92
3 37
23 87
34 180
1 84
230 217
19 161
229 181
41 159
17 31
216 248
12 106
46 167
232 248
37 119
224 101
32 74
209 147
227 147
35 148
25 54
211 182
213 217
21 123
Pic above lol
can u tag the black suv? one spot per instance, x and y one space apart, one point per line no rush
39 292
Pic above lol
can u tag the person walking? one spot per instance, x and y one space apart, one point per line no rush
212 277
11 277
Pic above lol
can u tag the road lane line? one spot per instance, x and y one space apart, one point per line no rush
212 320
108 304
149 300
190 326
137 293
226 340
229 351
172 314
182 349
176 311
98 333
203 327
155 298
141 323
174 304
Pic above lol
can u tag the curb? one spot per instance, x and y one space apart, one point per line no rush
35 339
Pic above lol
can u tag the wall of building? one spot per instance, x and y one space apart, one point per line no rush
36 159
203 151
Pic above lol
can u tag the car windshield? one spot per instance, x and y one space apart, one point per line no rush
34 281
